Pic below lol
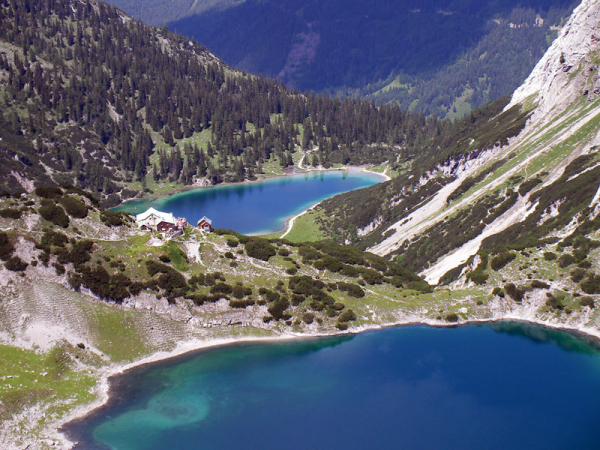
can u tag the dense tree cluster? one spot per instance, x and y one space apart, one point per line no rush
92 95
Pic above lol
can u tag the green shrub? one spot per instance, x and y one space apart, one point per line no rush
498 292
501 260
331 312
239 291
536 284
277 308
328 263
6 247
591 285
553 303
55 238
350 271
566 260
74 207
111 218
81 252
317 306
240 237
528 185
587 301
421 286
10 213
233 243
229 255
347 316
515 293
284 252
53 213
241 303
118 287
308 253
478 277
16 264
49 192
353 290
327 300
59 268
452 318
99 281
578 274
305 285
308 318
221 288
154 267
136 287
260 249
291 271
172 281
371 277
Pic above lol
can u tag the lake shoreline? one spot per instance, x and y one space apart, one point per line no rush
258 180
198 346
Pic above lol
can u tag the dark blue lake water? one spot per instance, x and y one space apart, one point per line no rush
260 207
498 386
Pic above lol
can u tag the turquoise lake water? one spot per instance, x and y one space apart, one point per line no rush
259 207
497 386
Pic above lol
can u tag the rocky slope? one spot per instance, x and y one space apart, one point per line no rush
555 81
560 103
562 95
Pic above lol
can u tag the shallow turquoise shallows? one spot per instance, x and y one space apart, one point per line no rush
498 386
260 207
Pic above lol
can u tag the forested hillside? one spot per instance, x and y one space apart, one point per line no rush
97 100
494 67
441 57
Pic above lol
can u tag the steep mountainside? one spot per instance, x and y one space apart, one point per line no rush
441 57
542 184
94 99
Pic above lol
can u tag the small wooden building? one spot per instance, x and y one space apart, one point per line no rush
163 227
205 224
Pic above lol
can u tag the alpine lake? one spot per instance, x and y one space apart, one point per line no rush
495 386
256 207
488 386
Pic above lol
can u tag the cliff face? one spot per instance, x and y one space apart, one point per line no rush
559 77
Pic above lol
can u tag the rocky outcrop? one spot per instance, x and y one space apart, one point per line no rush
554 82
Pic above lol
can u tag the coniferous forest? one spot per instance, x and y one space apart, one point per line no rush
95 99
